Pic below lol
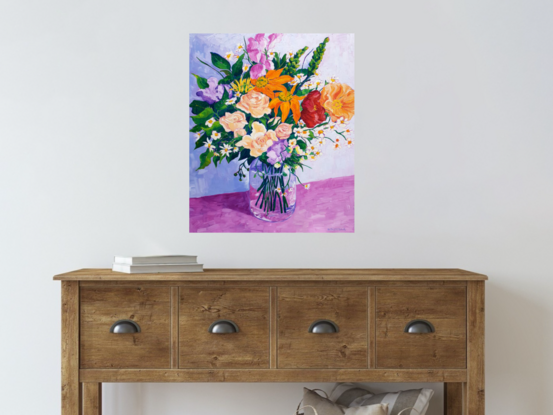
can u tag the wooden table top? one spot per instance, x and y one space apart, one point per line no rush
284 274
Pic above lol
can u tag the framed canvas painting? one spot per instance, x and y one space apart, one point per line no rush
271 132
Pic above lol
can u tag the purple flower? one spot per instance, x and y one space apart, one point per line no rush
214 92
257 48
277 153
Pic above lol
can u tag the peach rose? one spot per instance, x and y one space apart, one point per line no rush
339 101
255 103
234 121
259 141
240 133
283 131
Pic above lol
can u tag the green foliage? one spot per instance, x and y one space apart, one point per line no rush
203 116
198 106
226 80
205 159
196 129
219 62
221 104
237 67
302 144
294 63
202 82
317 56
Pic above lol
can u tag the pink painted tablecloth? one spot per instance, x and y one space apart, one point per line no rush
328 206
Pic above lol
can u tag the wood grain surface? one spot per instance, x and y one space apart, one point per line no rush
298 308
265 274
70 386
149 307
92 398
444 307
247 307
475 388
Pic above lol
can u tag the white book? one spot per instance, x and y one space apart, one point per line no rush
157 268
163 259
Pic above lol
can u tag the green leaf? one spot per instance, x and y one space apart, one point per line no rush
233 156
244 154
237 67
202 82
219 62
221 104
209 130
205 160
226 72
198 106
196 128
200 143
302 144
203 116
226 80
283 61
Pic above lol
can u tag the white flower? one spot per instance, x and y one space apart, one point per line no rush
290 54
299 151
215 154
298 79
246 67
341 123
331 126
236 149
293 142
312 157
277 165
337 145
319 132
308 85
229 55
240 48
318 153
198 135
216 135
311 147
271 54
209 144
210 122
302 132
226 150
332 79
321 141
347 131
307 186
349 142
230 101
279 190
316 82
238 94
317 74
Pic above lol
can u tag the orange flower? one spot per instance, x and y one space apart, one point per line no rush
339 101
271 82
285 101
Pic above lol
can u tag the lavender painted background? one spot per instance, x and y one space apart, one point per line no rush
338 61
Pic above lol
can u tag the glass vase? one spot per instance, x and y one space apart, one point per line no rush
272 192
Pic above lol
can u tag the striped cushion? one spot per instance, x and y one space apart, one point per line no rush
351 395
325 406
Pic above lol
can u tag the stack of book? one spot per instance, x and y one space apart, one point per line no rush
155 264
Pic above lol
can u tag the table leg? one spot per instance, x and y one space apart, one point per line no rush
475 386
92 399
453 398
70 386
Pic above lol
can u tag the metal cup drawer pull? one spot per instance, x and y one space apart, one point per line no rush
223 327
323 327
419 327
124 327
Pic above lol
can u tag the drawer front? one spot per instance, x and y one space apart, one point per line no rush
299 308
248 308
444 308
150 308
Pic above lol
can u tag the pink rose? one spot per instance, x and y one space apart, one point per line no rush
283 131
240 133
234 121
255 103
259 141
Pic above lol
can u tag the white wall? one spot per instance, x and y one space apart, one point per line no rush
453 169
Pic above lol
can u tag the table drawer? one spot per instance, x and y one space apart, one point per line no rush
445 308
300 308
149 308
201 308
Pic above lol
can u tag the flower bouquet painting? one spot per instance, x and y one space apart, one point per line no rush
271 121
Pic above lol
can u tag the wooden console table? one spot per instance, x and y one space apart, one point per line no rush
273 325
